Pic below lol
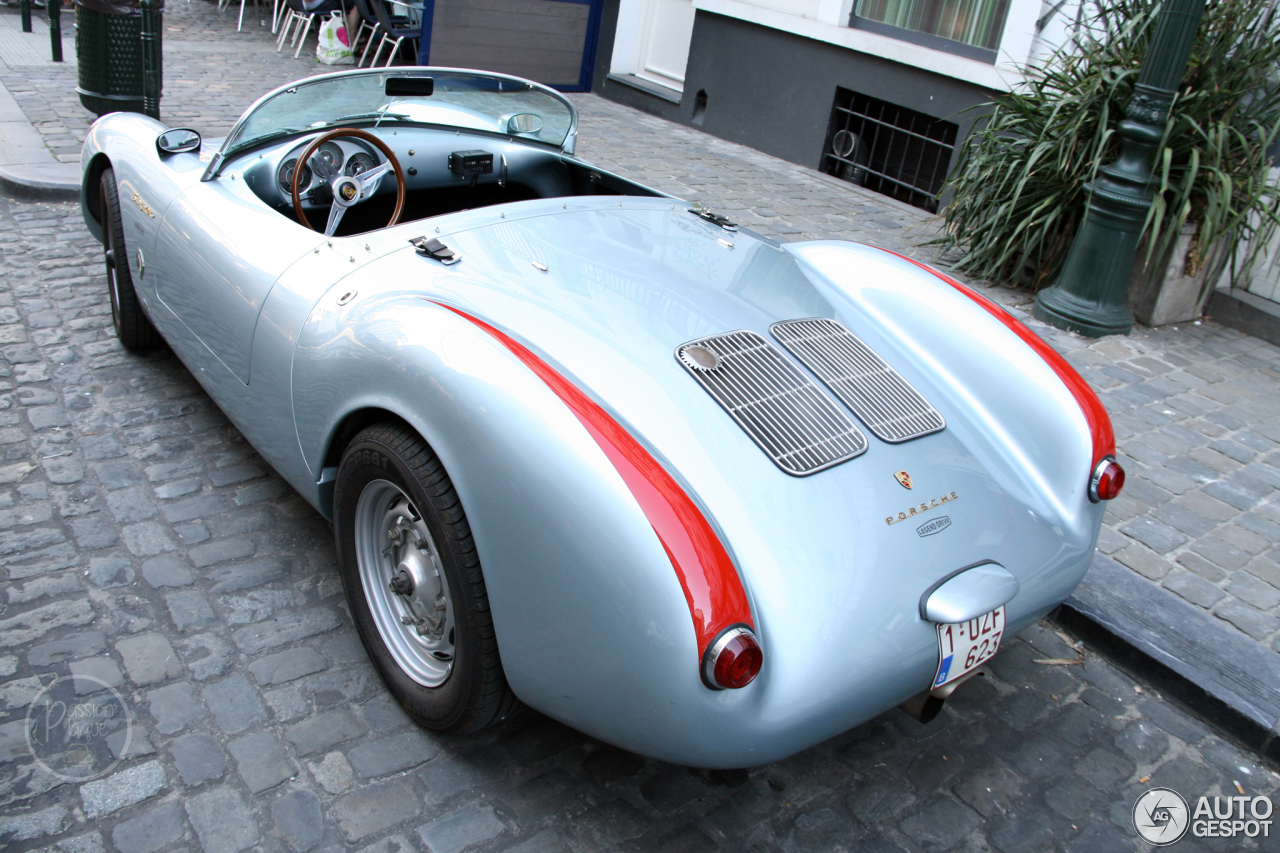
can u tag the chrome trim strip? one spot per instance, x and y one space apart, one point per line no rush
1097 476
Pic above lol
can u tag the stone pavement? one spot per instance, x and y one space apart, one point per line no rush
26 161
144 543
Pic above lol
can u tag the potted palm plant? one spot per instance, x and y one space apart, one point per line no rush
1019 194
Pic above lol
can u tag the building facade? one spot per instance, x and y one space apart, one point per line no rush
879 92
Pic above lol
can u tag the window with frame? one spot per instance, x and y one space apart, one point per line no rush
971 28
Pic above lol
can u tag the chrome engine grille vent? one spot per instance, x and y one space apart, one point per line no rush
876 393
799 427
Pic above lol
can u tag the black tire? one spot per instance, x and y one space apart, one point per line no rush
132 326
472 693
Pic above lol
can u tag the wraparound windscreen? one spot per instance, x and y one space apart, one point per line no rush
467 100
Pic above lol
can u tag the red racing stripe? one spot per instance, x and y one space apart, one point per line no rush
710 582
1104 437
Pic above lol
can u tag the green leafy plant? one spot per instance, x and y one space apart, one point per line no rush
1019 191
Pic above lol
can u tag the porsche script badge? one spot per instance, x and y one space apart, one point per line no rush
922 508
903 478
142 205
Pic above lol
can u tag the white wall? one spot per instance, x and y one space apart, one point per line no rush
626 43
801 8
1264 280
1059 26
827 20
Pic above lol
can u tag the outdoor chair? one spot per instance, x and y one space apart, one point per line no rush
278 11
369 18
222 4
393 29
299 20
369 25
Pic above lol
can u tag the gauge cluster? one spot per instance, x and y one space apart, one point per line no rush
358 164
287 168
348 156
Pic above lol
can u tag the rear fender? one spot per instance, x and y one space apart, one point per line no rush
591 619
1020 418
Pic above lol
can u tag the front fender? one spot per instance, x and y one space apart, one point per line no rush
147 184
112 137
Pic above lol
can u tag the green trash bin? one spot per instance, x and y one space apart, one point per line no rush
109 54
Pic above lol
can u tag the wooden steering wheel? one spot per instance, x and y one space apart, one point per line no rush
348 190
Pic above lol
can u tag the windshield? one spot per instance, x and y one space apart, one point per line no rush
464 99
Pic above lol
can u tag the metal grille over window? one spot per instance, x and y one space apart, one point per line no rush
876 393
801 429
889 149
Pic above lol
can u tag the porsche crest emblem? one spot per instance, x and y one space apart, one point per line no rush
903 478
348 192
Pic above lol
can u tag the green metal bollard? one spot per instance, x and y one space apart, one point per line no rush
1091 296
150 61
55 28
26 15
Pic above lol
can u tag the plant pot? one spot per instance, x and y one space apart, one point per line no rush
1162 292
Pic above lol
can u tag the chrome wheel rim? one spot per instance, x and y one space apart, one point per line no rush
404 583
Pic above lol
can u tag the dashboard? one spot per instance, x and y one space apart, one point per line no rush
424 155
444 171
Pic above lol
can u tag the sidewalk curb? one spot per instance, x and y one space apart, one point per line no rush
41 183
1229 680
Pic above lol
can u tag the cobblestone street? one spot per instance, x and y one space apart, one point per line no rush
144 543
1196 408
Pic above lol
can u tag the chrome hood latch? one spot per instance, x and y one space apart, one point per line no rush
714 218
433 248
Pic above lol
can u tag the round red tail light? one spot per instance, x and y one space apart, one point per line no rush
733 660
1108 480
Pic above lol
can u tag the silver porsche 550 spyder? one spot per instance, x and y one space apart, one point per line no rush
588 447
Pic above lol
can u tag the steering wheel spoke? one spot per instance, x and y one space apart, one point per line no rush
335 216
347 190
369 180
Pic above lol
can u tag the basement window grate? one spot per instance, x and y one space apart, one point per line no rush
889 149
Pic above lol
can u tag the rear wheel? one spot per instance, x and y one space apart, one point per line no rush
414 583
132 326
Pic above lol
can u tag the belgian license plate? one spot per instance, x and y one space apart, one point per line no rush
965 646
